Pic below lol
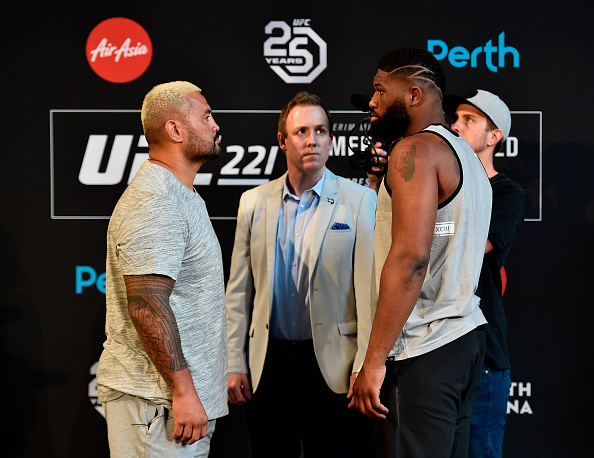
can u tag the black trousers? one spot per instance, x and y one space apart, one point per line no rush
293 406
430 398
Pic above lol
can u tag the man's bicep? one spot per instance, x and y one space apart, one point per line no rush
148 298
151 240
413 179
148 285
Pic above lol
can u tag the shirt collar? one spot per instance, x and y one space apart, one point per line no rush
317 188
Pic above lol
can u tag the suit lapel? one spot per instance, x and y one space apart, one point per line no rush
273 202
326 208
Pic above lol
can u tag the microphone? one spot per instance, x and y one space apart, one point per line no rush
361 102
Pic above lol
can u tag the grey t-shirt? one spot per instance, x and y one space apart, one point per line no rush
159 226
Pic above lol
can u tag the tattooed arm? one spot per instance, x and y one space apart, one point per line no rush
149 310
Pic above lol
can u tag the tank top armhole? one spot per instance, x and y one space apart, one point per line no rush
457 190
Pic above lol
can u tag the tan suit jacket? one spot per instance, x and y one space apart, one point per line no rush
340 278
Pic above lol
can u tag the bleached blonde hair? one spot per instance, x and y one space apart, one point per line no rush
161 102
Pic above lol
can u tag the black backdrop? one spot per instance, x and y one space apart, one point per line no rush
53 226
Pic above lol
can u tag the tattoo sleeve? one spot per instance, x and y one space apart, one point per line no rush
149 310
405 162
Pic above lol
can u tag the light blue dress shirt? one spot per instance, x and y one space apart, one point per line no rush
289 317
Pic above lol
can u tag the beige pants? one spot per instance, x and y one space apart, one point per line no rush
140 428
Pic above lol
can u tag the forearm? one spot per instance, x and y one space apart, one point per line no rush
182 384
151 314
400 286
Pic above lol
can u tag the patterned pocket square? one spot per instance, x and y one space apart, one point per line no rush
340 227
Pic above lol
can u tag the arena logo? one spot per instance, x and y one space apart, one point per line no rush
459 56
517 402
298 55
119 50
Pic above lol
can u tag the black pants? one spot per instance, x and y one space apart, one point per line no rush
430 398
293 405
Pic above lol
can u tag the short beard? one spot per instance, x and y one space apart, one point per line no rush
200 150
392 125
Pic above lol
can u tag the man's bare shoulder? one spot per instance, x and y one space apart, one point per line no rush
440 158
415 154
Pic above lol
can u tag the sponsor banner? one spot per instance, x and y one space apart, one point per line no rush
94 154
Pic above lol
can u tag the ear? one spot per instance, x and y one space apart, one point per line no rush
174 130
494 137
415 94
282 141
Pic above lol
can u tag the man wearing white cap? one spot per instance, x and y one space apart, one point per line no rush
484 120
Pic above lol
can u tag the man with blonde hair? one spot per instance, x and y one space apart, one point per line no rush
162 376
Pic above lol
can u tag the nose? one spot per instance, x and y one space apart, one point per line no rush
455 127
373 101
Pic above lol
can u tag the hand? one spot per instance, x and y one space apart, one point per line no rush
351 384
239 390
377 171
366 391
189 417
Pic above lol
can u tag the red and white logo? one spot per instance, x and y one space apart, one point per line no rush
119 50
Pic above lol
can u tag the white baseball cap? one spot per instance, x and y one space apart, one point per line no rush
491 105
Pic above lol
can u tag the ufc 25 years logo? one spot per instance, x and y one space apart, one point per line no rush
298 54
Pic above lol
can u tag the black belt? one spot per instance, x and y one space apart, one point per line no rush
290 347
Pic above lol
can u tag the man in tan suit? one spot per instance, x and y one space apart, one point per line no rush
298 297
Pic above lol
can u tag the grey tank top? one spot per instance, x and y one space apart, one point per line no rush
447 307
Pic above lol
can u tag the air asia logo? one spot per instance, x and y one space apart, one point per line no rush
119 50
298 55
459 56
